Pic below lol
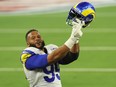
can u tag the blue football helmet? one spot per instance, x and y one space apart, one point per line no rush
84 11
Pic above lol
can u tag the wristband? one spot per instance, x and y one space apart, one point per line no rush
70 42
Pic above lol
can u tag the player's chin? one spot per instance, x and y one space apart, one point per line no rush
36 45
40 45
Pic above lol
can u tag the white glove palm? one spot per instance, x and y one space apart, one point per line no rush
76 29
76 34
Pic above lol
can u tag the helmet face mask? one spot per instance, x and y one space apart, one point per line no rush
72 15
83 11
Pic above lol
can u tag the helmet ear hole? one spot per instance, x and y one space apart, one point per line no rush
88 19
86 24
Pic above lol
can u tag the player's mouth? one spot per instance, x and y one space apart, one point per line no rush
38 44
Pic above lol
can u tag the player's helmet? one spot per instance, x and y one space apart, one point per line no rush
83 11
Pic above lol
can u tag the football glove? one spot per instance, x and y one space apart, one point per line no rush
76 33
77 26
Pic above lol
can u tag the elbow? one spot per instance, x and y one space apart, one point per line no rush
69 58
75 56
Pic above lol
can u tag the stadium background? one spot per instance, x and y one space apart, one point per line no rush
96 65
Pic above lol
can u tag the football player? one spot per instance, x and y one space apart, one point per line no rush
41 62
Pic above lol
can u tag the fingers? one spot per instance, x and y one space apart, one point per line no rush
77 22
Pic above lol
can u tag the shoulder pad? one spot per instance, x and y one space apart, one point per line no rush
51 47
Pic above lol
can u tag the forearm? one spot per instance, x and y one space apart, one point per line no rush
58 54
75 48
72 55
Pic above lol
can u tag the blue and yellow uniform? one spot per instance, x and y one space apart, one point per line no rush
37 70
44 75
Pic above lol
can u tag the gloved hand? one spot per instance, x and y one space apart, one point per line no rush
76 33
77 26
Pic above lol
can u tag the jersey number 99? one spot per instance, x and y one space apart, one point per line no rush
53 68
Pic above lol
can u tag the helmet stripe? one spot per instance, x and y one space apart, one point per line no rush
88 11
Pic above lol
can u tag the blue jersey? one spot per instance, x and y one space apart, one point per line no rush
48 76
